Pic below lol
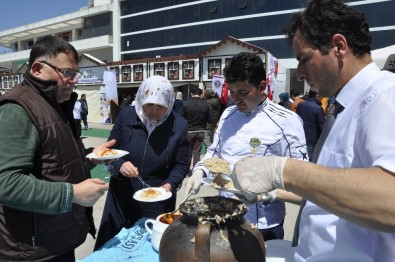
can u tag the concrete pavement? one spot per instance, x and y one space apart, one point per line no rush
87 247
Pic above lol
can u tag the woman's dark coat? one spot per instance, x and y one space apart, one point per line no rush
160 158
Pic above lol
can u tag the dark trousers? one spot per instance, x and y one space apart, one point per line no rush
84 119
196 139
78 126
273 233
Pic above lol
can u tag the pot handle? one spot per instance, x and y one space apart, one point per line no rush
202 242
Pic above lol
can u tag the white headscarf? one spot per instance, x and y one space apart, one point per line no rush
154 90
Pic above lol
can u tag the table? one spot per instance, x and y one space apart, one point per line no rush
130 244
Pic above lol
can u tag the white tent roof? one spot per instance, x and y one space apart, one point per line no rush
385 57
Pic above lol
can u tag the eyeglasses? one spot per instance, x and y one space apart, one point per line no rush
67 73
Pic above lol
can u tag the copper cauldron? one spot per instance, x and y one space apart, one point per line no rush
212 229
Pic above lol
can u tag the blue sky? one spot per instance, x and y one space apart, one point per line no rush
21 12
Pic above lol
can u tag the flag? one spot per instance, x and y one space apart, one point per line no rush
217 84
271 75
269 91
224 94
110 83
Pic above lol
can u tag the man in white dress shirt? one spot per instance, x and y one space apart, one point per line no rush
350 211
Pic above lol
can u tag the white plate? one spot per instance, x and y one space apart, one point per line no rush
120 153
209 182
165 195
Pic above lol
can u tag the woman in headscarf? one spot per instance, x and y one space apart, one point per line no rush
157 142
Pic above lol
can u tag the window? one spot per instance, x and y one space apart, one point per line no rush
126 74
66 36
116 73
159 69
294 83
16 80
173 70
5 82
243 5
188 70
213 10
138 73
214 67
30 44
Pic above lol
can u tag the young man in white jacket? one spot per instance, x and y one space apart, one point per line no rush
275 130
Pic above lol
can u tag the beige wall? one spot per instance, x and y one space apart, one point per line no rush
92 93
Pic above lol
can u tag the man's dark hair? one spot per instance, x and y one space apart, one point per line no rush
49 47
312 94
245 66
293 92
196 91
322 19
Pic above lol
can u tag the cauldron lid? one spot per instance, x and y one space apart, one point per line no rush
214 208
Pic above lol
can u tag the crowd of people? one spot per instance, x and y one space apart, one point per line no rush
333 156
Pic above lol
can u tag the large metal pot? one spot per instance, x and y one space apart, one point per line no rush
212 229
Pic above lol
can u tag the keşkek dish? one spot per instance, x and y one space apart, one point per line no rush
220 168
107 154
217 166
220 183
152 194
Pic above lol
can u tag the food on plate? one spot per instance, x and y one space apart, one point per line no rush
150 194
106 152
217 166
222 182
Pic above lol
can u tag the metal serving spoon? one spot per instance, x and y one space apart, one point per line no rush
169 215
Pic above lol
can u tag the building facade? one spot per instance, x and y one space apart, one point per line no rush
174 27
177 38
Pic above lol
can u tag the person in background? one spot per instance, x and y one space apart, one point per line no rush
134 100
127 101
296 100
46 192
306 95
198 113
325 105
255 126
121 98
84 111
213 101
178 103
77 116
157 141
349 213
313 121
284 100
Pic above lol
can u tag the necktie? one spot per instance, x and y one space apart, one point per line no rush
333 111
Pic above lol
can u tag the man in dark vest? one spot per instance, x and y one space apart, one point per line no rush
46 193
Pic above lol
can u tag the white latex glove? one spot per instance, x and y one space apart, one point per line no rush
258 175
194 182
